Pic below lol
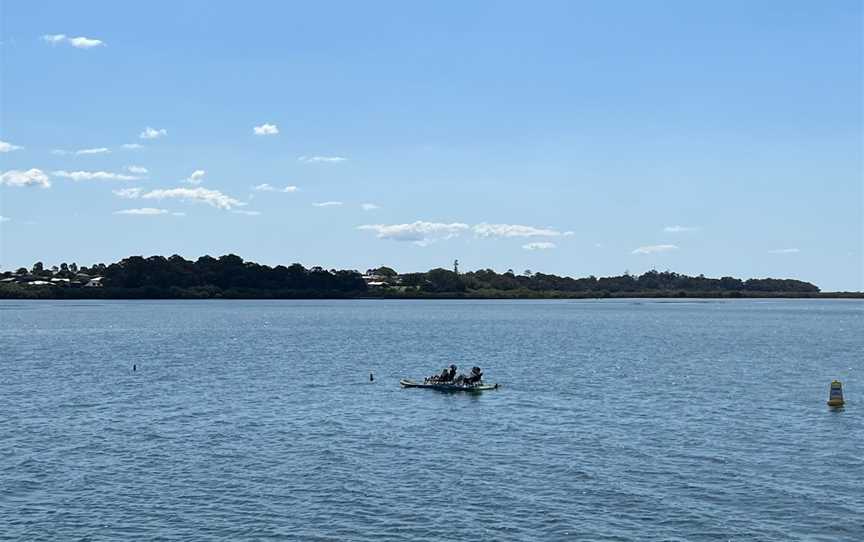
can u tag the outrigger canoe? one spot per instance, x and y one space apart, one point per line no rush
408 383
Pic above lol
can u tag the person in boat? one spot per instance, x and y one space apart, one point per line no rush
475 376
447 375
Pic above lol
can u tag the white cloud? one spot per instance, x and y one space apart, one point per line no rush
128 193
31 177
544 245
369 206
93 176
178 214
85 43
152 133
516 230
265 129
268 188
423 232
142 211
132 146
5 219
784 251
652 249
54 39
80 42
418 232
328 204
247 213
322 159
197 177
8 147
81 152
213 198
98 150
679 229
138 170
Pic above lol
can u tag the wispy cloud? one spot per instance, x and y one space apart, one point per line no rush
542 245
54 39
784 251
310 159
147 211
422 232
418 232
128 193
214 198
328 204
197 177
94 176
98 150
247 213
138 170
31 177
679 229
369 206
265 129
79 42
516 230
8 147
81 152
5 219
268 188
132 146
153 133
654 249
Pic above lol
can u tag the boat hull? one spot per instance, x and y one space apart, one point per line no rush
408 383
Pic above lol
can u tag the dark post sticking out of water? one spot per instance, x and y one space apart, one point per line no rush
134 367
371 377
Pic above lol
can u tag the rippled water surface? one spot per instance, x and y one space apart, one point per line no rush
617 420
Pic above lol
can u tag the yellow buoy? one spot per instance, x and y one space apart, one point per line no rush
835 395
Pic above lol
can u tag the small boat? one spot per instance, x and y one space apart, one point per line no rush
835 394
408 383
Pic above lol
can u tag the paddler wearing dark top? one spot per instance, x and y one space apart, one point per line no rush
475 376
448 374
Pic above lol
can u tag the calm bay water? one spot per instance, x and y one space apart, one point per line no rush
617 420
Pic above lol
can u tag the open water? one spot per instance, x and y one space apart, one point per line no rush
255 420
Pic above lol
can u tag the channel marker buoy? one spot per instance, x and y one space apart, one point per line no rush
835 395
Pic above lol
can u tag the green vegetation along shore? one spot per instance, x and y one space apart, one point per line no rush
230 277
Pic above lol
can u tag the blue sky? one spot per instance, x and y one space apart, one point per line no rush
566 137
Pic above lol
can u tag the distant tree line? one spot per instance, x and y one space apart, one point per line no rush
443 280
227 272
177 277
230 276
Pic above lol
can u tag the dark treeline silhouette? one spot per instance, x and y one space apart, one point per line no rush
231 277
443 280
176 277
227 273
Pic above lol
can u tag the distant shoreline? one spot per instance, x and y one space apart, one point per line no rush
231 277
55 294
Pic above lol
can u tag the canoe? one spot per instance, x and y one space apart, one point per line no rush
408 383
